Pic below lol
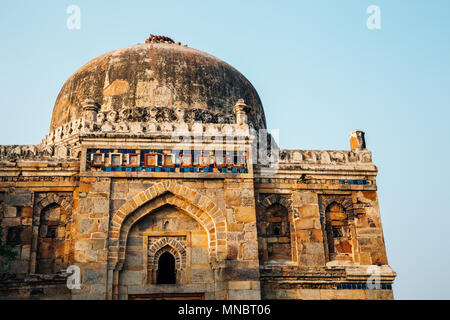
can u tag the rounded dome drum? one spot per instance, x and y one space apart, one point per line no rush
164 78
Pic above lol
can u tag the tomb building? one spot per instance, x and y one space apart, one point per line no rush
157 180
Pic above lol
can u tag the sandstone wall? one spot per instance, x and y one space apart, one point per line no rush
60 214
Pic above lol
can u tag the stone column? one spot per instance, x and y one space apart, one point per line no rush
240 110
90 108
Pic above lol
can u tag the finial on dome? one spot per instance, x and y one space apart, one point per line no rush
240 110
159 39
90 108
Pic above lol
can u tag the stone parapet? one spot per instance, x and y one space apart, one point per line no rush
335 157
114 128
36 153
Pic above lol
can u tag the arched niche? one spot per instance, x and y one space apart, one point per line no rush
338 233
274 229
157 227
50 244
166 267
185 199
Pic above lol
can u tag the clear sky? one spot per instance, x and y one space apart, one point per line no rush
320 73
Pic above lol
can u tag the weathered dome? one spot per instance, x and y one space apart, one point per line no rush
158 75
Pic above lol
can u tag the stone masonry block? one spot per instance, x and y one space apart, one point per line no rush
101 205
301 198
245 214
10 212
239 285
304 224
23 199
308 211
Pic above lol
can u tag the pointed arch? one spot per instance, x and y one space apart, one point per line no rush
278 199
343 201
187 200
337 225
167 248
166 270
62 200
167 244
276 221
335 204
65 202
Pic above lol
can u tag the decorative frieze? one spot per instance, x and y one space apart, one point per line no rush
146 160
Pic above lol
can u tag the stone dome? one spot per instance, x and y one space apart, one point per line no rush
162 76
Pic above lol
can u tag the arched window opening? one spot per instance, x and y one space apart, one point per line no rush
50 246
166 269
338 233
274 230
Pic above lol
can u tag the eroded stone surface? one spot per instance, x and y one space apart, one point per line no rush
157 75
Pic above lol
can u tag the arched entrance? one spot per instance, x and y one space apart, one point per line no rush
166 251
199 209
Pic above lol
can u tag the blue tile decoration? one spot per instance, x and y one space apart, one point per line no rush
362 286
359 182
236 161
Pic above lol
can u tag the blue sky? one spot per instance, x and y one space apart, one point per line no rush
320 73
